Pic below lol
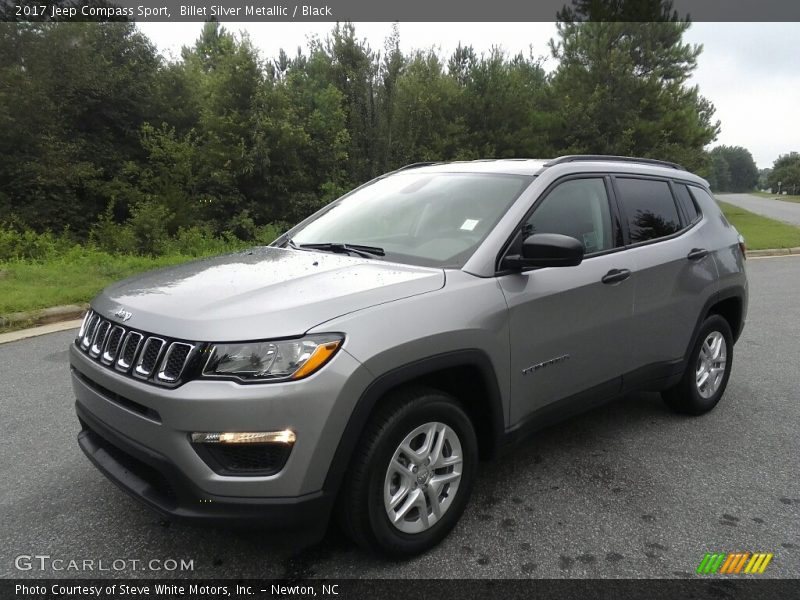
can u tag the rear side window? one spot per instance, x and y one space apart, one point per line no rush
686 202
648 208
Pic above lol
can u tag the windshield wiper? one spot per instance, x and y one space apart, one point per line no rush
357 249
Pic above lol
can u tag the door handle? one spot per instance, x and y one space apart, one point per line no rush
616 276
697 254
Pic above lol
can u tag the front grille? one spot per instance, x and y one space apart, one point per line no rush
174 360
112 346
147 357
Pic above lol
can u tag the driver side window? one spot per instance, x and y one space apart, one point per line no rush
577 208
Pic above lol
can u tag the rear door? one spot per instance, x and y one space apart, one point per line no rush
674 273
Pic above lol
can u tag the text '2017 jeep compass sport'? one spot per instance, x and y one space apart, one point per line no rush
362 363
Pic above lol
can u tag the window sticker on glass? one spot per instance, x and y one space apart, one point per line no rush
470 224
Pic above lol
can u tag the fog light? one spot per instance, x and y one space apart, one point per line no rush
287 436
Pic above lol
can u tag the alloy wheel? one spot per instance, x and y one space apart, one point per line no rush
422 477
711 364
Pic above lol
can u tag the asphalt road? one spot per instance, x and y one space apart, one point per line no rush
628 490
788 212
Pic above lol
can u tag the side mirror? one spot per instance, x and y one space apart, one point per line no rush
546 250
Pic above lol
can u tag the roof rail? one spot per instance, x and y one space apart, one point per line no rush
606 157
416 164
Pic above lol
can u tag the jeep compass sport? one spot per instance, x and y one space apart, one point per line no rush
361 364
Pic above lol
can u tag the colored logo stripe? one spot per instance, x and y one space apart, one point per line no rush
734 563
758 563
710 563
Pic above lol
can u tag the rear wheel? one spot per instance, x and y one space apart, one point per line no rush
412 474
707 371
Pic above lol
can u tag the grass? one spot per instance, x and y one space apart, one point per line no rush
776 197
759 232
75 277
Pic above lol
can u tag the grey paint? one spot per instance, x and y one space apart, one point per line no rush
265 292
394 314
567 311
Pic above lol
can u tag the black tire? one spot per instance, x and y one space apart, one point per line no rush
360 507
685 397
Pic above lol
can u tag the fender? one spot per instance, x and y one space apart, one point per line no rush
404 374
734 291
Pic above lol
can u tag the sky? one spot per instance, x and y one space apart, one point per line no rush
749 71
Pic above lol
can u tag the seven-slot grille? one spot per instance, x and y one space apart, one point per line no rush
148 357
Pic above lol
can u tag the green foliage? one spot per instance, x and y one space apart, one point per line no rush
732 169
139 155
786 170
621 86
763 178
72 277
26 244
760 232
73 98
38 270
145 231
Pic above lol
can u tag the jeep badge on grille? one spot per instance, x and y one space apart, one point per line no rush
123 314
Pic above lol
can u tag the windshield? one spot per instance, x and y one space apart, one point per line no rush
429 219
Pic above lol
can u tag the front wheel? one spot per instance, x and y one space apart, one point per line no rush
707 371
412 474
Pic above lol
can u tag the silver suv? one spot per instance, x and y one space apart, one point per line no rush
362 363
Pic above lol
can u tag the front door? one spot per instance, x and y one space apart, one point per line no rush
569 326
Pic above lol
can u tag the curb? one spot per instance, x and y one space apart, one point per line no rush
23 334
43 316
774 252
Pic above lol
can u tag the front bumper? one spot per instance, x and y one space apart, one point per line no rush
154 480
138 435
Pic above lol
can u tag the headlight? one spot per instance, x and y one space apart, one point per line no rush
280 360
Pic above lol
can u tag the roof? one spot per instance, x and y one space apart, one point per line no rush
574 163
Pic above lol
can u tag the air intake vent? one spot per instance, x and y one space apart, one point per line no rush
129 349
112 345
100 334
174 361
147 357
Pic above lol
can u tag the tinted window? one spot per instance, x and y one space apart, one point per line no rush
700 195
577 208
649 208
686 202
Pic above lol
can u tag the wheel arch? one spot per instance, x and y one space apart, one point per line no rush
730 308
730 304
467 375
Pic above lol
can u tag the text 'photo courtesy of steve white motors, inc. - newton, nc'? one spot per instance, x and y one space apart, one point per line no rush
171 590
182 10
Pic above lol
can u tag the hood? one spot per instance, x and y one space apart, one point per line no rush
261 293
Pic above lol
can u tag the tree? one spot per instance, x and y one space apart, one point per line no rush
719 177
223 141
763 178
733 169
621 85
429 126
73 98
786 170
502 102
